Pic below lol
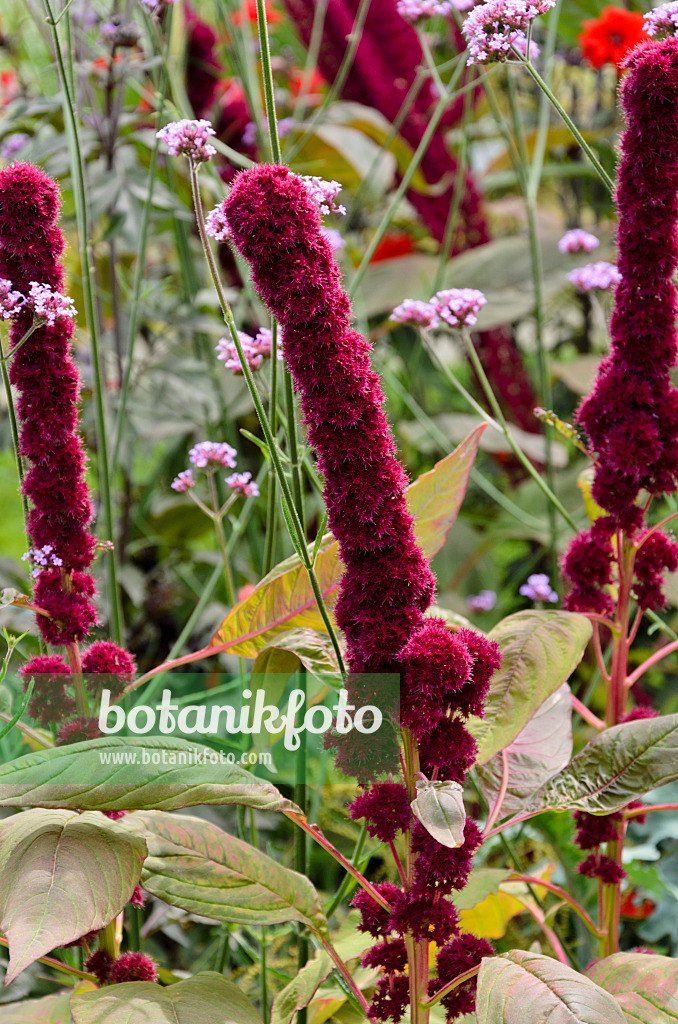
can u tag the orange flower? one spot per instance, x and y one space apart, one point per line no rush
249 13
609 38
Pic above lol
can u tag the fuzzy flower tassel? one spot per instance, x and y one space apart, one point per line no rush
631 417
388 583
46 379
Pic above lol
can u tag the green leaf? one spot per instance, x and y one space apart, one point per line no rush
62 875
540 650
197 866
301 989
74 776
207 998
618 765
644 985
284 599
518 986
54 1009
5 700
539 751
482 882
439 806
295 647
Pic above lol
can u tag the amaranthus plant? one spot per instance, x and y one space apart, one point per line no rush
457 772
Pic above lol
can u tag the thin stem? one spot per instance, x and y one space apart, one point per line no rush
57 965
450 987
503 426
600 658
14 428
648 809
565 897
294 449
344 972
316 834
440 108
337 85
22 341
494 813
272 506
600 170
75 663
398 863
587 714
549 933
268 82
346 883
663 652
80 196
217 519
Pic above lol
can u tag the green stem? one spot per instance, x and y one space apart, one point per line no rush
294 450
268 82
217 519
272 502
530 197
600 170
347 881
80 196
300 860
14 428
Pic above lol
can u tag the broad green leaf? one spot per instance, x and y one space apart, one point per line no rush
295 647
62 874
539 751
618 765
284 599
54 1009
75 777
489 902
644 985
197 866
482 882
518 986
540 650
207 998
301 989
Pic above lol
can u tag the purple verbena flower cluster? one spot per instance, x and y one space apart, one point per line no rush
11 301
189 138
242 483
255 349
592 276
456 307
210 454
578 240
323 193
416 11
538 588
663 19
216 224
495 30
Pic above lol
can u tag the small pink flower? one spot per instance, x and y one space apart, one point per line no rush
414 311
494 30
42 557
243 484
10 301
188 138
337 243
209 454
578 240
538 588
323 193
183 482
458 307
50 305
216 224
600 275
482 602
415 11
662 19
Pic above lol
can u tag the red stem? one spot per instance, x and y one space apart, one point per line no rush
587 714
663 652
315 833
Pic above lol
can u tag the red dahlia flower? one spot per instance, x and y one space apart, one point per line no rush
611 37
